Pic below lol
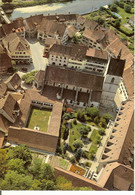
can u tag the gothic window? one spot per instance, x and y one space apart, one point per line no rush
112 80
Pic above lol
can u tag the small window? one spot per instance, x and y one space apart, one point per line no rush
112 80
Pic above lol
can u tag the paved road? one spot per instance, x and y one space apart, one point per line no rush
37 49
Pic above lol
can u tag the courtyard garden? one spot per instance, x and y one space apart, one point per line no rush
81 133
39 119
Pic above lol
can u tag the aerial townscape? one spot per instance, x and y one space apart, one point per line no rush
67 97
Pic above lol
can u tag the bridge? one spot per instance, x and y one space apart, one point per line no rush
4 16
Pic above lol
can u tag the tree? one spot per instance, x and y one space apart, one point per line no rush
84 131
93 112
36 185
65 133
121 4
78 144
47 185
78 154
3 162
100 20
72 159
6 1
113 8
15 181
107 117
81 115
17 165
101 131
21 152
35 168
127 8
76 38
117 23
29 77
63 184
47 172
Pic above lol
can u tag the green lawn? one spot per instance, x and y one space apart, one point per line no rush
93 148
74 134
39 118
124 15
94 136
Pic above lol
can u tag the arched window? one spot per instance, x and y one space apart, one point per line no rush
112 80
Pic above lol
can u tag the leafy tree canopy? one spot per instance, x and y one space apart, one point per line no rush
78 144
21 152
15 181
3 162
92 111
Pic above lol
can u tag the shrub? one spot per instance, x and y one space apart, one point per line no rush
78 144
81 115
127 8
101 131
75 122
88 164
96 120
84 131
100 20
113 8
107 117
29 77
117 23
73 160
121 4
66 116
92 112
65 133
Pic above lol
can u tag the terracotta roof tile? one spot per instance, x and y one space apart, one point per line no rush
75 78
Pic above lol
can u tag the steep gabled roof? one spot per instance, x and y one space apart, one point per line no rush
13 42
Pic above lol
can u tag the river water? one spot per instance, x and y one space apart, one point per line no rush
77 6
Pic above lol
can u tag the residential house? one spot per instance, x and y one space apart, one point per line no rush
16 26
18 48
39 78
96 61
92 38
9 108
82 23
51 29
5 60
116 48
13 82
31 25
49 42
69 33
79 57
3 88
67 19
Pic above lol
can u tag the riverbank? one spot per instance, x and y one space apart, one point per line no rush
18 4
